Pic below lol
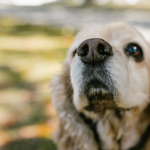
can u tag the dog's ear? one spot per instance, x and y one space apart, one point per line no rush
72 133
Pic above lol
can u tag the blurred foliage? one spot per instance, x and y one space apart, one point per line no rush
13 27
30 144
29 57
25 30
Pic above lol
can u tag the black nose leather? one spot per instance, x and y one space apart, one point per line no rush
94 50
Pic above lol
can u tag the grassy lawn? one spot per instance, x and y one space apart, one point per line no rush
29 58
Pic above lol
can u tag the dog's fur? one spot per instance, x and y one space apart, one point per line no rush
118 118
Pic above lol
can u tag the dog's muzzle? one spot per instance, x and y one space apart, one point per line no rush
98 86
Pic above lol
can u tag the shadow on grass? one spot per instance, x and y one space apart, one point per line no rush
25 30
35 117
16 79
30 144
53 55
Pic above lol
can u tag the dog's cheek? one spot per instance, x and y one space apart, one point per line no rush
138 88
119 75
130 80
76 73
79 99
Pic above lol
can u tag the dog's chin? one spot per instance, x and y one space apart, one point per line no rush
99 102
99 98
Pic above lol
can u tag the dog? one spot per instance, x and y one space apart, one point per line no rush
102 95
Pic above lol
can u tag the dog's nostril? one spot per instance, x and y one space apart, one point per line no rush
101 49
104 49
84 50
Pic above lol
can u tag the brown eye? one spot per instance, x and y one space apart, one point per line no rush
135 51
74 52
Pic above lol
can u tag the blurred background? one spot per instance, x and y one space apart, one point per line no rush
34 38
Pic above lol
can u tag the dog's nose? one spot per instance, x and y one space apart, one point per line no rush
94 50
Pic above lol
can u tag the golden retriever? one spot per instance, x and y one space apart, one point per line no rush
102 95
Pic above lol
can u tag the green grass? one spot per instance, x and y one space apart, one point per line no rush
30 144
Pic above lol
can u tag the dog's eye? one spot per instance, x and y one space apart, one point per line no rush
74 52
135 51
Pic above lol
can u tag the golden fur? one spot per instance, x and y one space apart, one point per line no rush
110 129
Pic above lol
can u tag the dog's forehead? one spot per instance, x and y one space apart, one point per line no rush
114 31
120 32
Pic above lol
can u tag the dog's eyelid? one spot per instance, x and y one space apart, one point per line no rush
131 42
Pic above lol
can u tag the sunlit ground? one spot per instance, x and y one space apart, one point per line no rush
29 57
